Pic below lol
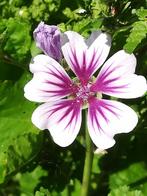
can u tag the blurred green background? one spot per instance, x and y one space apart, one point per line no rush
30 163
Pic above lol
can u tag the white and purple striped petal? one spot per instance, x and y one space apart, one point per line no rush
98 49
107 118
50 82
85 57
62 118
117 77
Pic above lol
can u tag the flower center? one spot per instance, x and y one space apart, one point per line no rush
83 93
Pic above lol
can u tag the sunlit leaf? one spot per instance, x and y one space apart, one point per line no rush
17 40
20 140
138 33
29 180
124 190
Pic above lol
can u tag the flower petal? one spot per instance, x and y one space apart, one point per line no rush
85 57
117 77
107 118
50 81
99 46
62 118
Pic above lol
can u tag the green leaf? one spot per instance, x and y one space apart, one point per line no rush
87 25
124 190
42 192
138 33
99 7
41 10
17 40
9 71
34 49
20 141
73 188
2 26
130 175
29 180
141 13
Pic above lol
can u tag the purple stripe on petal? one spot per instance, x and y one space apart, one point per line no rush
97 112
65 83
74 116
84 61
49 83
58 75
107 83
94 60
103 75
71 106
94 119
85 57
82 69
75 59
107 118
117 77
62 118
111 108
115 89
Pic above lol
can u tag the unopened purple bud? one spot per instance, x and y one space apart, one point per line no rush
48 40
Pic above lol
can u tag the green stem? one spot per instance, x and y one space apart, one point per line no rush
88 163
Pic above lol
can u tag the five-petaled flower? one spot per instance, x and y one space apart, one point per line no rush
64 98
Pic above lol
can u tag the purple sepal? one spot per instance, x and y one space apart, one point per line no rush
47 38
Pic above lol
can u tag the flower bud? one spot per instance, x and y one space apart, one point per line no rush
48 40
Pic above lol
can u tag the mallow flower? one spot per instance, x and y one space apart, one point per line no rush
47 38
64 98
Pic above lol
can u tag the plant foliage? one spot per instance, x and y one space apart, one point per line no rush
30 164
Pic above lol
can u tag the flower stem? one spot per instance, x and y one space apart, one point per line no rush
87 164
